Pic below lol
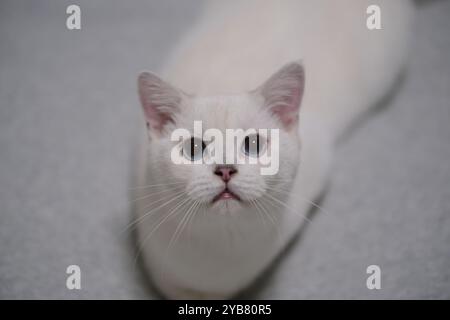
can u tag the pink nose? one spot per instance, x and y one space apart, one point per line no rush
225 172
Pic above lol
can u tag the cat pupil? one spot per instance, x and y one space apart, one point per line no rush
252 145
193 149
193 146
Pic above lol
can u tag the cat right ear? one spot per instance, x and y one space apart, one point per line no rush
160 101
283 93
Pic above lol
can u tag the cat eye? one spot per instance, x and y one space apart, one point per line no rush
193 148
253 145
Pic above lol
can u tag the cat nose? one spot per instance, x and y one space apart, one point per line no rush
225 172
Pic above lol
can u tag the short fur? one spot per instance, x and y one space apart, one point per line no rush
217 74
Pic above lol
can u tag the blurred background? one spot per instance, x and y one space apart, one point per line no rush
69 121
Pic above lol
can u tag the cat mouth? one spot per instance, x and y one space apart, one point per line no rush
226 194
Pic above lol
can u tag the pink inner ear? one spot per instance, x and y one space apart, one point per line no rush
287 115
157 120
159 101
286 107
283 93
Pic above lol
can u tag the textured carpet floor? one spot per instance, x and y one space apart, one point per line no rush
68 118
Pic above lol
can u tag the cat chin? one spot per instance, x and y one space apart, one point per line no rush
227 206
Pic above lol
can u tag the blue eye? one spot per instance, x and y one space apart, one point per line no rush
193 148
253 145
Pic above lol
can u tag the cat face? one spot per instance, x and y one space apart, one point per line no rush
274 105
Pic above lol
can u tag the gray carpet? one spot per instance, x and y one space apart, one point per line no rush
69 115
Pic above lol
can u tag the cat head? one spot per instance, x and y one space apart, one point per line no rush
273 105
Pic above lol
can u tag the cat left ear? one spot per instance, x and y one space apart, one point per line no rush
160 101
283 93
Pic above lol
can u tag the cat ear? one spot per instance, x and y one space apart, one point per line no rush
283 93
160 101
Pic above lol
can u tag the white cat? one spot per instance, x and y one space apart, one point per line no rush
208 231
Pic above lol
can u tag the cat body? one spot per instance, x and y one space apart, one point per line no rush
307 68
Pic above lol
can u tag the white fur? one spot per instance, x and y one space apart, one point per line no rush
234 47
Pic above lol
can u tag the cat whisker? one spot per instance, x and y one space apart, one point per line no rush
177 233
155 185
172 198
167 216
198 206
173 212
278 179
322 209
261 217
286 206
180 226
192 211
155 193
275 225
165 197
278 183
